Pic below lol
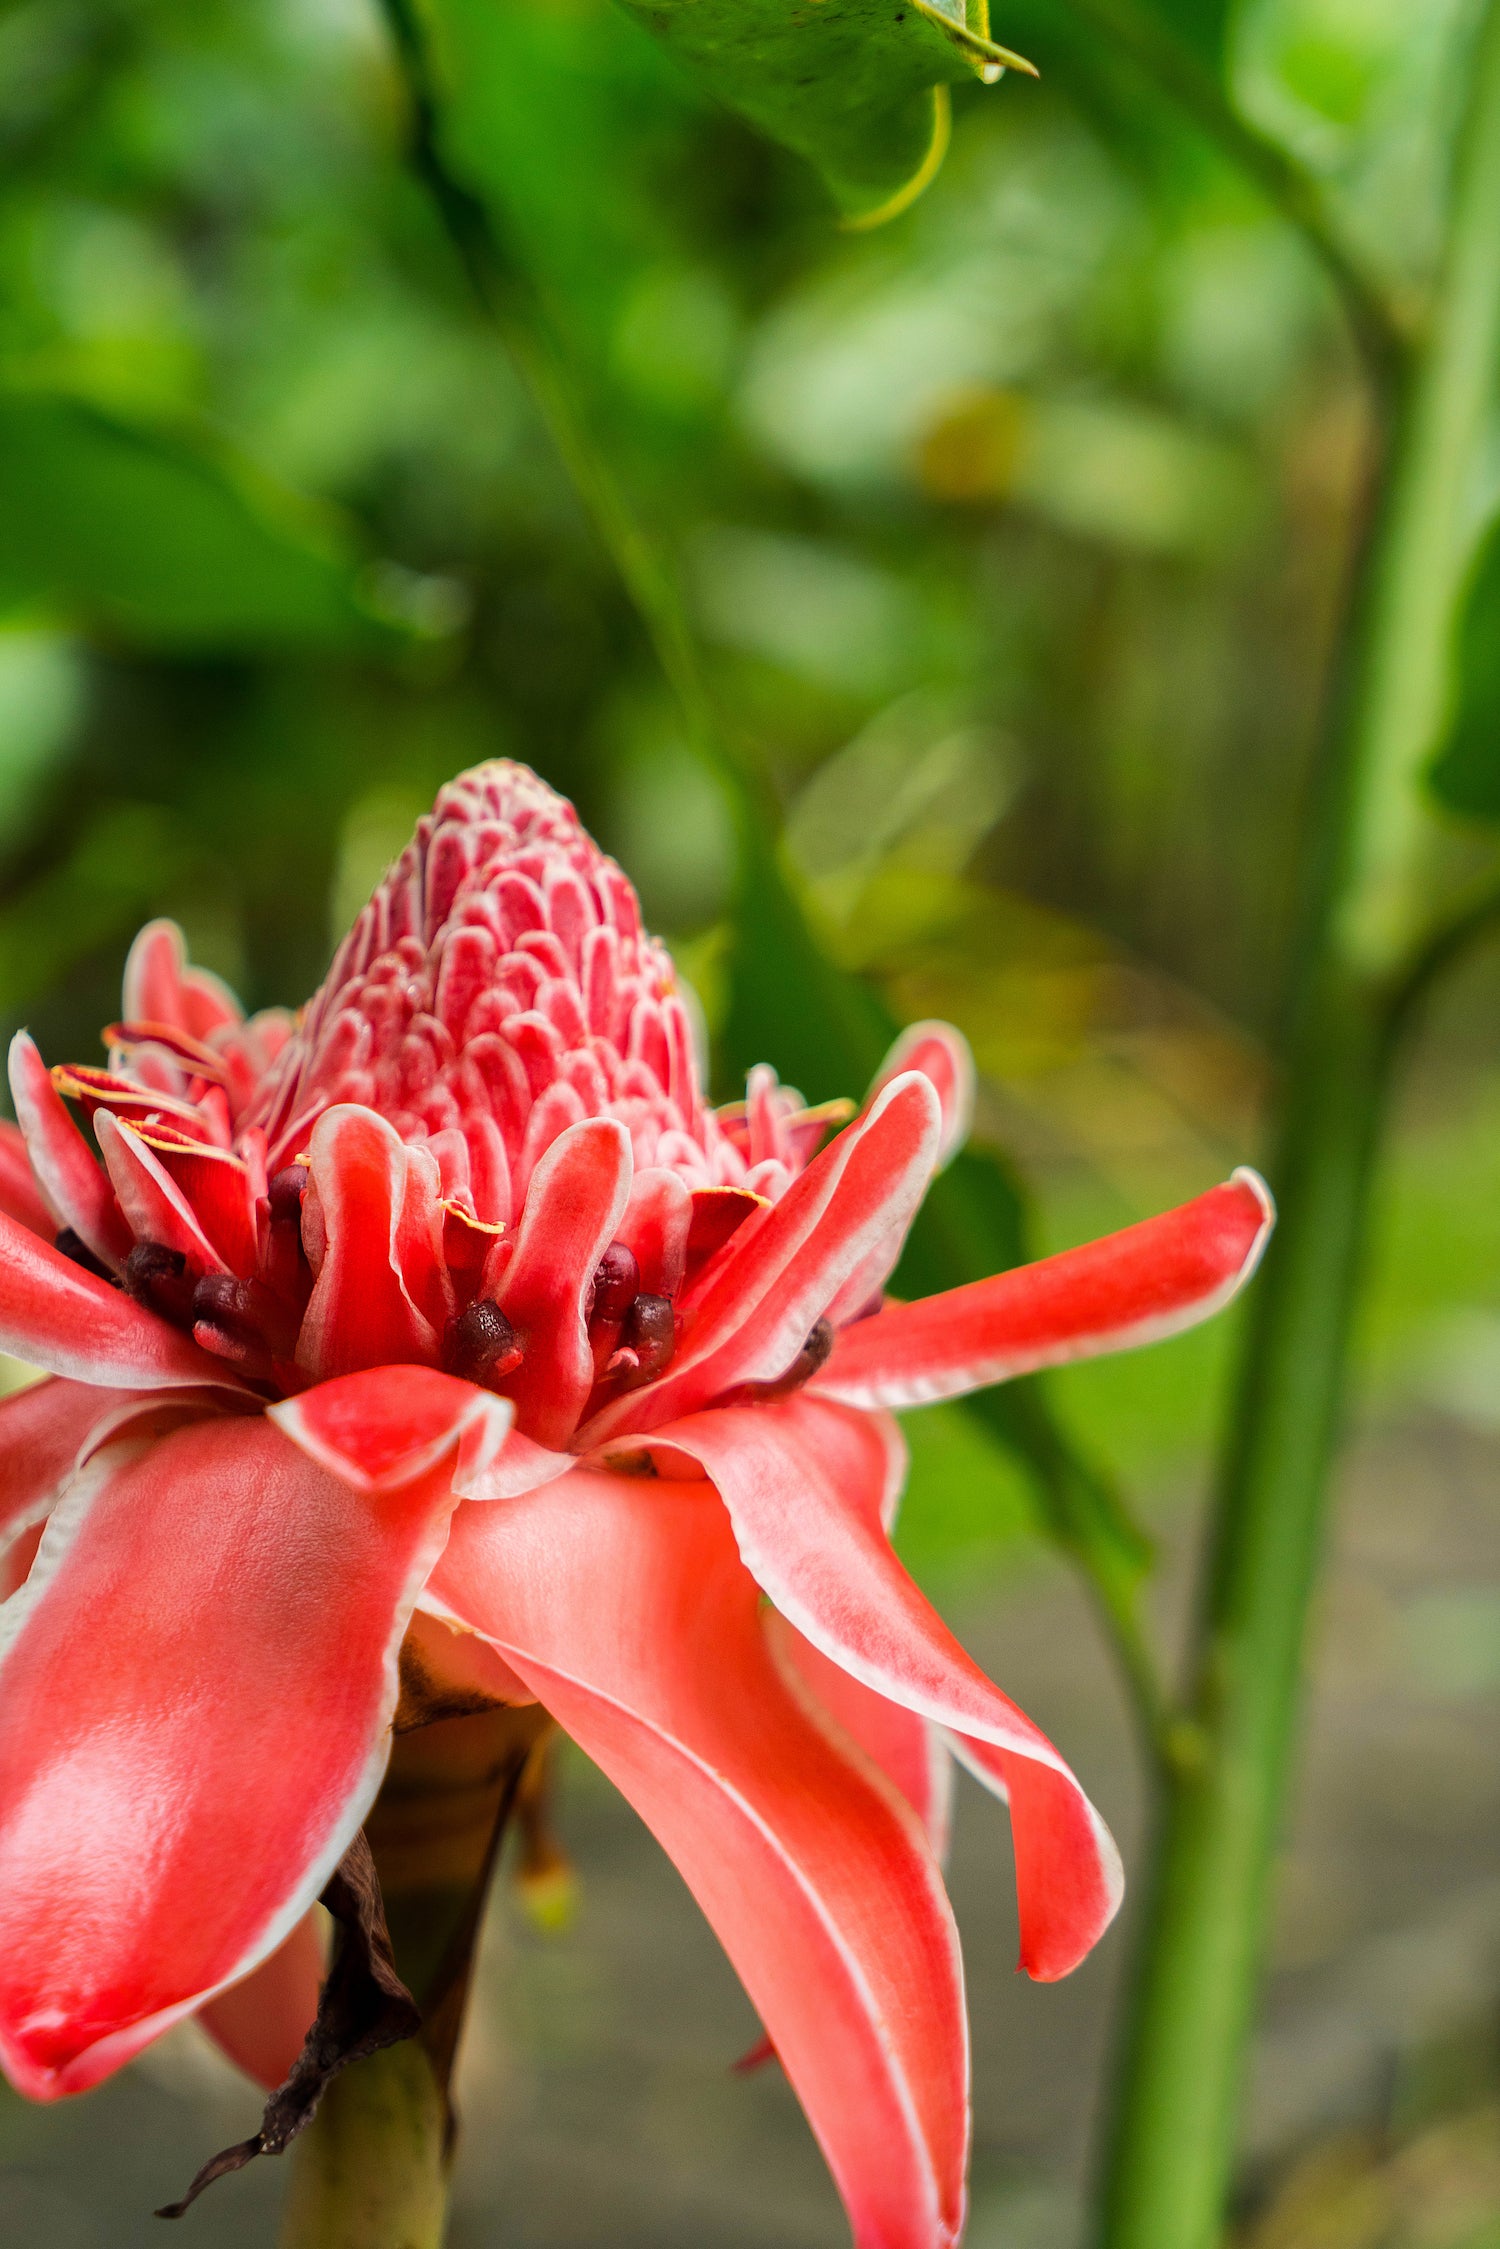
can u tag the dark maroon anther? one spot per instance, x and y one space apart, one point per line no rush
247 1312
814 1352
481 1345
650 1331
284 1192
617 1280
243 1322
226 1302
73 1247
812 1355
158 1278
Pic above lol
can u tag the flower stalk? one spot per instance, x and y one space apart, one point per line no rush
1372 877
371 2170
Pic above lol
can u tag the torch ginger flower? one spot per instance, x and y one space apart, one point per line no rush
451 1317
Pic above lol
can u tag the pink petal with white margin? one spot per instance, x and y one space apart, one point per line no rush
362 1312
790 1261
912 1754
1131 1288
804 1482
49 1429
262 2022
574 1205
622 1603
161 988
45 1431
20 1197
382 1427
942 1055
56 1316
154 1206
69 1178
196 1687
654 1226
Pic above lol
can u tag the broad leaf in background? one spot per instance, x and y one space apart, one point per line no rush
1201 27
98 895
156 538
1466 774
560 120
858 87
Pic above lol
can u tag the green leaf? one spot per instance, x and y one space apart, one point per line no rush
858 87
1466 771
158 538
855 86
1202 25
111 879
559 120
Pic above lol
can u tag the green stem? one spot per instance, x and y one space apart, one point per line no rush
1174 2130
371 2170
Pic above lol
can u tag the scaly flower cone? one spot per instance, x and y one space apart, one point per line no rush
445 1338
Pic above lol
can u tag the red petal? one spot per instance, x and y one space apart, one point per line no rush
156 1208
219 1190
1133 1287
623 1605
20 1197
655 1228
759 1307
805 1484
912 1754
519 1466
942 1055
573 1207
196 1686
382 1427
43 1428
718 1212
54 1315
362 1312
147 1104
161 988
261 2023
66 1172
48 1430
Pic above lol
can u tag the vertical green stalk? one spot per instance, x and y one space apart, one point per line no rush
1181 2064
371 2170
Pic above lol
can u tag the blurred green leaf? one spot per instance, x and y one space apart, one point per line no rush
159 538
858 87
1466 772
1202 25
114 875
556 119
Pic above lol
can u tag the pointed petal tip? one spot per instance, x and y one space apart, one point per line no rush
1245 1176
940 1053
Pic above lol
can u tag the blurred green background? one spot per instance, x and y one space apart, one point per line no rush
1015 536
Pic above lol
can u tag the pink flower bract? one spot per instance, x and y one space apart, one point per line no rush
456 1296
